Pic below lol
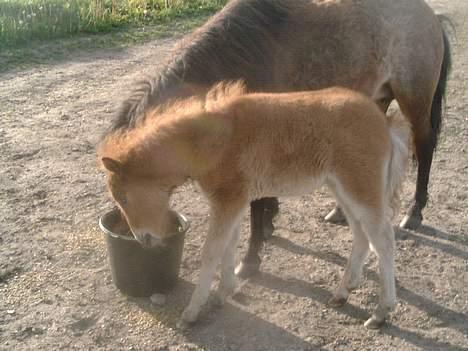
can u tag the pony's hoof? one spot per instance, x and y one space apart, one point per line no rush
374 323
247 270
336 216
268 229
411 222
184 325
337 301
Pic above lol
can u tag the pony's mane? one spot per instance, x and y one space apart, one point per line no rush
235 44
164 119
220 94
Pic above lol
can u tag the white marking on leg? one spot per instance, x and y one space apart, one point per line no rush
227 284
382 239
353 272
219 235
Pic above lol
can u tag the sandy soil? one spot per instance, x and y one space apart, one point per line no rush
55 287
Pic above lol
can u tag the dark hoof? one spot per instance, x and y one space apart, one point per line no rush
337 302
336 216
268 227
411 222
183 325
247 270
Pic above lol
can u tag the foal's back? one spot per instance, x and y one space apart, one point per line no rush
288 144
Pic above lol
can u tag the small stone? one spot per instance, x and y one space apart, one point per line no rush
10 311
158 299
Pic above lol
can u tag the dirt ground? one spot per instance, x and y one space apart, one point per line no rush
55 287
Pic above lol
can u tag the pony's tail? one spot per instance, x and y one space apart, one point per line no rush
401 143
439 96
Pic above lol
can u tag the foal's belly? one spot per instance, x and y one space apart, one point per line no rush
284 186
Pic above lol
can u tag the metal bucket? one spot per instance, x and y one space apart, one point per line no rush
138 271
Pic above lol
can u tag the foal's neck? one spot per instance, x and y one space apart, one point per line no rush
186 145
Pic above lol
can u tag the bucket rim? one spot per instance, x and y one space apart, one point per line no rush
185 224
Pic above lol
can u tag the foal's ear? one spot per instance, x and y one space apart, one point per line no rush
112 165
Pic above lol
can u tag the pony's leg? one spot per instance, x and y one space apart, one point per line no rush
262 213
382 239
221 229
420 98
425 146
418 111
271 210
227 284
353 272
336 216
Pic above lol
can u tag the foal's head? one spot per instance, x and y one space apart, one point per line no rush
169 145
144 202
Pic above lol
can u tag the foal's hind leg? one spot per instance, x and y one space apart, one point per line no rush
353 273
382 238
368 225
374 229
337 215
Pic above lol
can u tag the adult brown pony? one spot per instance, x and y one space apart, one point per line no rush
241 147
385 49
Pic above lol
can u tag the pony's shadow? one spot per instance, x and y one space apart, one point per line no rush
428 236
430 231
446 316
223 328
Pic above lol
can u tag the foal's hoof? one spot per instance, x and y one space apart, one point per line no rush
336 216
374 323
337 301
247 270
411 222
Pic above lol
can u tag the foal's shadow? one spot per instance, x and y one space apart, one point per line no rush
301 288
226 328
447 317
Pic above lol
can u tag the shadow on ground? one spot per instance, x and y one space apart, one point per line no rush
228 327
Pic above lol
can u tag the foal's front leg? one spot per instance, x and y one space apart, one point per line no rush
222 227
227 285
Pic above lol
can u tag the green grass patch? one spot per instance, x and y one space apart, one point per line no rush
22 21
176 19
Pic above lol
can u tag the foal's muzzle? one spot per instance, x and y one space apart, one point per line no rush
148 241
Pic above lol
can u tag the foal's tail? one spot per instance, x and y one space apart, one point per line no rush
402 140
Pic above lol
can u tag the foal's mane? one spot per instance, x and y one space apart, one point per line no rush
171 118
237 43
